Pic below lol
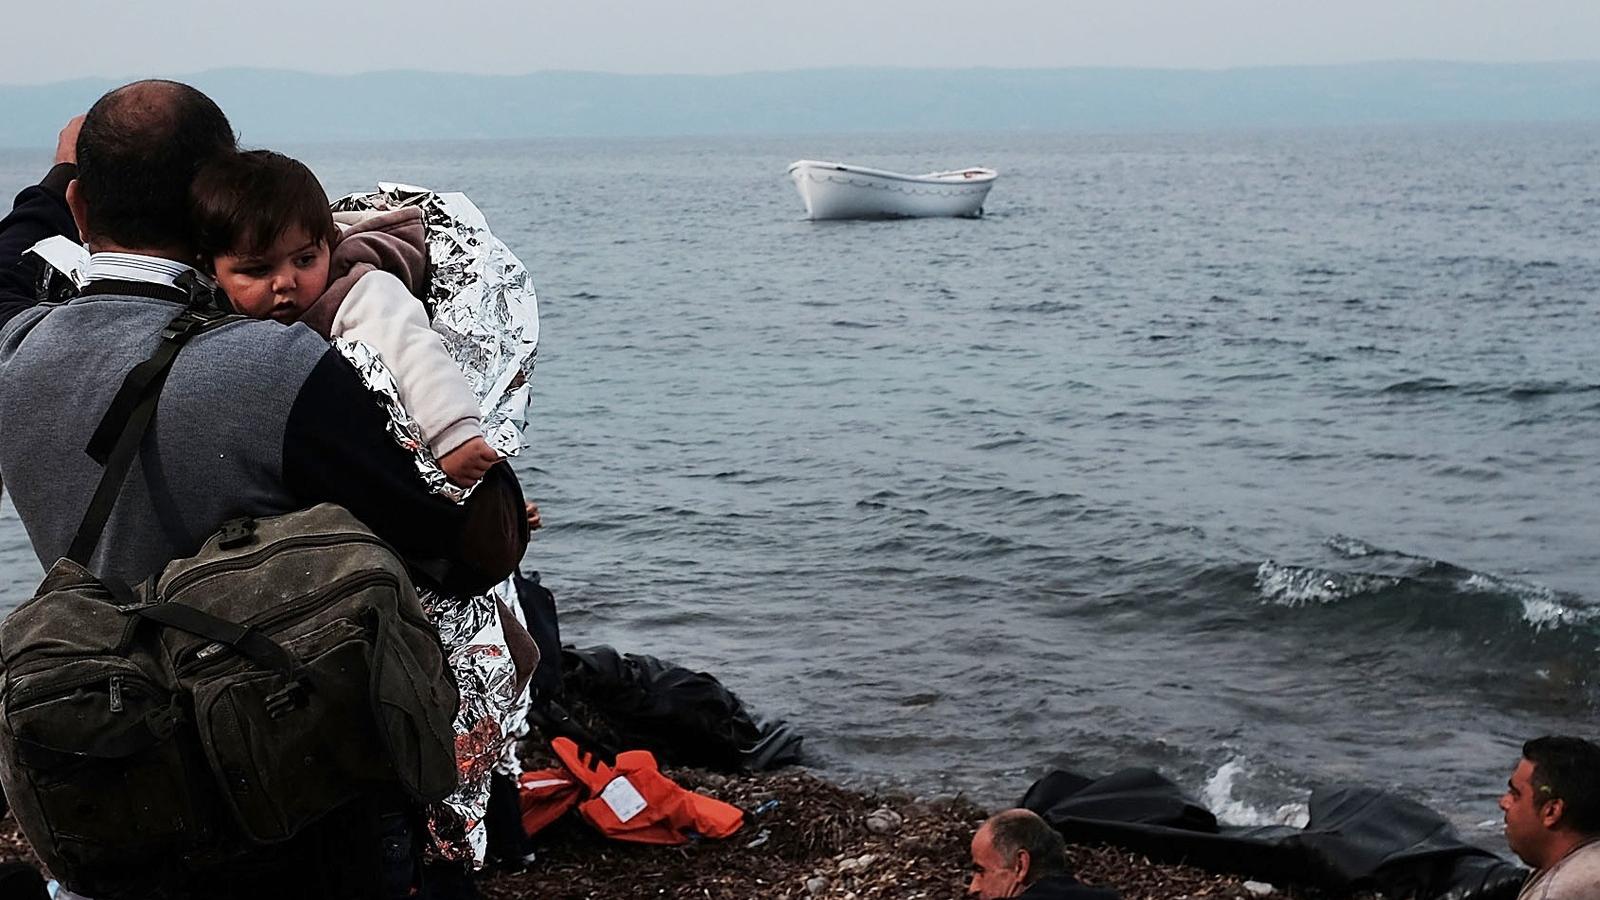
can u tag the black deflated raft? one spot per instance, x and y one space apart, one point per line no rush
1358 838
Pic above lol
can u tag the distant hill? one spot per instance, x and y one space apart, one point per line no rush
268 105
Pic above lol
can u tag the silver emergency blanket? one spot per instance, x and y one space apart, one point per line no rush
481 300
482 303
65 255
486 725
406 432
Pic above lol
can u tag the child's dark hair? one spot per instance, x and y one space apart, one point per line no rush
242 202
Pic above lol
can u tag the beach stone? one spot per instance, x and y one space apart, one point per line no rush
816 885
1259 888
856 865
884 821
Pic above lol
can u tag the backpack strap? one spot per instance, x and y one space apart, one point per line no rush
116 440
246 640
196 316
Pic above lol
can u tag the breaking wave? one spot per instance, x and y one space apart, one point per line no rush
1430 591
1302 586
1220 794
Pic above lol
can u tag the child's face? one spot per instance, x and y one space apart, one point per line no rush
279 283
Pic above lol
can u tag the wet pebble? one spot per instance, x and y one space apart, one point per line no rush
884 821
856 865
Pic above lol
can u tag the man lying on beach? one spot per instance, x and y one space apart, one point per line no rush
1017 854
1552 811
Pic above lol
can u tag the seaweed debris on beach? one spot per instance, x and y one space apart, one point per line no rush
805 838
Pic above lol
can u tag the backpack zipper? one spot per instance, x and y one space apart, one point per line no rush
244 561
348 584
264 621
62 688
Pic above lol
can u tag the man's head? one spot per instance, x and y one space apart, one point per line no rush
1011 851
1552 801
138 150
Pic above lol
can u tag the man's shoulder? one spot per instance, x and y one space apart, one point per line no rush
23 321
1578 876
111 319
51 332
264 333
258 350
1065 887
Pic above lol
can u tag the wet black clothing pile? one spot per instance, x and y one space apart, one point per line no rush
627 701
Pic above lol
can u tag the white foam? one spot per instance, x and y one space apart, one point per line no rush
1352 548
1542 607
1217 795
1298 586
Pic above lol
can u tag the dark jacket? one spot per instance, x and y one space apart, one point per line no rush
39 212
1065 887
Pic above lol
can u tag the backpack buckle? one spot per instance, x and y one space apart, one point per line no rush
236 533
291 697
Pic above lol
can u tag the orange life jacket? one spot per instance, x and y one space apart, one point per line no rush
545 796
630 800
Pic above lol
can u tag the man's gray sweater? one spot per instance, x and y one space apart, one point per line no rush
256 419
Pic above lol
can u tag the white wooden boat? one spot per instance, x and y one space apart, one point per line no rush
837 191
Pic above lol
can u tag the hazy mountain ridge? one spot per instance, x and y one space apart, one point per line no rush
270 105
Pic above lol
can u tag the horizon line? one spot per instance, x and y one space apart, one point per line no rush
1208 70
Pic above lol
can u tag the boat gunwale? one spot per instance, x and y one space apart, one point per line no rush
950 177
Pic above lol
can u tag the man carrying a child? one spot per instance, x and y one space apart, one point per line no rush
256 419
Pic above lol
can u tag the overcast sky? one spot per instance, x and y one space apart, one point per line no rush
52 40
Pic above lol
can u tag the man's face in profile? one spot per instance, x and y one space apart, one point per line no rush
1524 811
993 875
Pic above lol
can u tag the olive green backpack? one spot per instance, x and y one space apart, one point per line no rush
281 672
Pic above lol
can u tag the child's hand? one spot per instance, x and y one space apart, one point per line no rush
535 522
467 463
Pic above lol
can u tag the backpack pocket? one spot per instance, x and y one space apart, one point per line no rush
96 761
288 750
416 711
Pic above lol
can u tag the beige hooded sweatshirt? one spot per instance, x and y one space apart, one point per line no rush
377 277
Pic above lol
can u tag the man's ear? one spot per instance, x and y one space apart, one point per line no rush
1024 863
1550 812
80 210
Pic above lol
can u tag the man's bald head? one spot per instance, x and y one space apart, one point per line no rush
139 149
1011 851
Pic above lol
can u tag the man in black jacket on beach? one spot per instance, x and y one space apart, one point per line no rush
256 419
1017 854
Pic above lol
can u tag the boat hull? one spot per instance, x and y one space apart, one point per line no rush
834 191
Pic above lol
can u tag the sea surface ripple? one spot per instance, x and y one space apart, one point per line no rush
1265 458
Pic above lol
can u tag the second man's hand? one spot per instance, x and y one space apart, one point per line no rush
67 141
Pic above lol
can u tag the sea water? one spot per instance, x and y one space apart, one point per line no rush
1264 458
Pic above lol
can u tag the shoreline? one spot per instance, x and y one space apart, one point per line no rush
811 839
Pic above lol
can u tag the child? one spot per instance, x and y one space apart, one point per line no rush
261 221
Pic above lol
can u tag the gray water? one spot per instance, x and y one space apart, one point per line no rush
1266 459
